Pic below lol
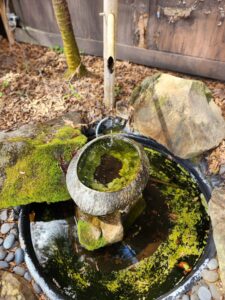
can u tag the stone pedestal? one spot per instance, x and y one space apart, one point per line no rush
98 231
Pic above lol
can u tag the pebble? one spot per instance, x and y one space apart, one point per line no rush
204 293
5 228
1 241
210 276
194 297
3 215
4 265
185 297
213 264
9 241
3 254
36 287
27 276
14 231
19 256
216 294
19 270
10 257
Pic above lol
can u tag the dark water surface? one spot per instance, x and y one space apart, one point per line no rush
172 199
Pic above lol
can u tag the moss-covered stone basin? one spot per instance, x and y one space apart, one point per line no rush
173 231
109 164
108 174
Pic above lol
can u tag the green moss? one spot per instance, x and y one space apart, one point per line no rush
119 149
159 272
86 237
201 89
37 176
147 85
134 213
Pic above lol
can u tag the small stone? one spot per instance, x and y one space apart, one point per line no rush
194 297
204 293
4 265
14 231
11 215
2 254
216 294
5 228
3 215
27 276
210 276
9 241
36 287
185 297
15 287
9 257
213 264
19 256
19 270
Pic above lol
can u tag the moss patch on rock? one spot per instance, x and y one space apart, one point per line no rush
119 149
37 175
88 237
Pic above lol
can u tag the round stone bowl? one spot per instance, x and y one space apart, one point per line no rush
98 203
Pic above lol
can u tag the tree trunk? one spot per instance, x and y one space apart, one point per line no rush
71 50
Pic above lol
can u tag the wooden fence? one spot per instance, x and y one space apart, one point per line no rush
184 36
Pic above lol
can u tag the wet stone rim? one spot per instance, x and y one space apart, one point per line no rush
102 203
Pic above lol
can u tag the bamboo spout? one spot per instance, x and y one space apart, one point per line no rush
110 22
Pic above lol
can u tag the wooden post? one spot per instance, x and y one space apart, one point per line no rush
109 25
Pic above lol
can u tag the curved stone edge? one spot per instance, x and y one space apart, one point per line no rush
32 268
102 203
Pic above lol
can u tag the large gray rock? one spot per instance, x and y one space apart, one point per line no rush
13 287
217 214
178 113
34 159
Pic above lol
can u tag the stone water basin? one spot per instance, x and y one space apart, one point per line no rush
161 254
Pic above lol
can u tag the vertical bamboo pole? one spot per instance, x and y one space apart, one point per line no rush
109 29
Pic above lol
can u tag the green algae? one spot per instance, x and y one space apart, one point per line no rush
158 273
37 175
121 150
86 237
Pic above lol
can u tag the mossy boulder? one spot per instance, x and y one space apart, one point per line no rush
34 160
178 113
